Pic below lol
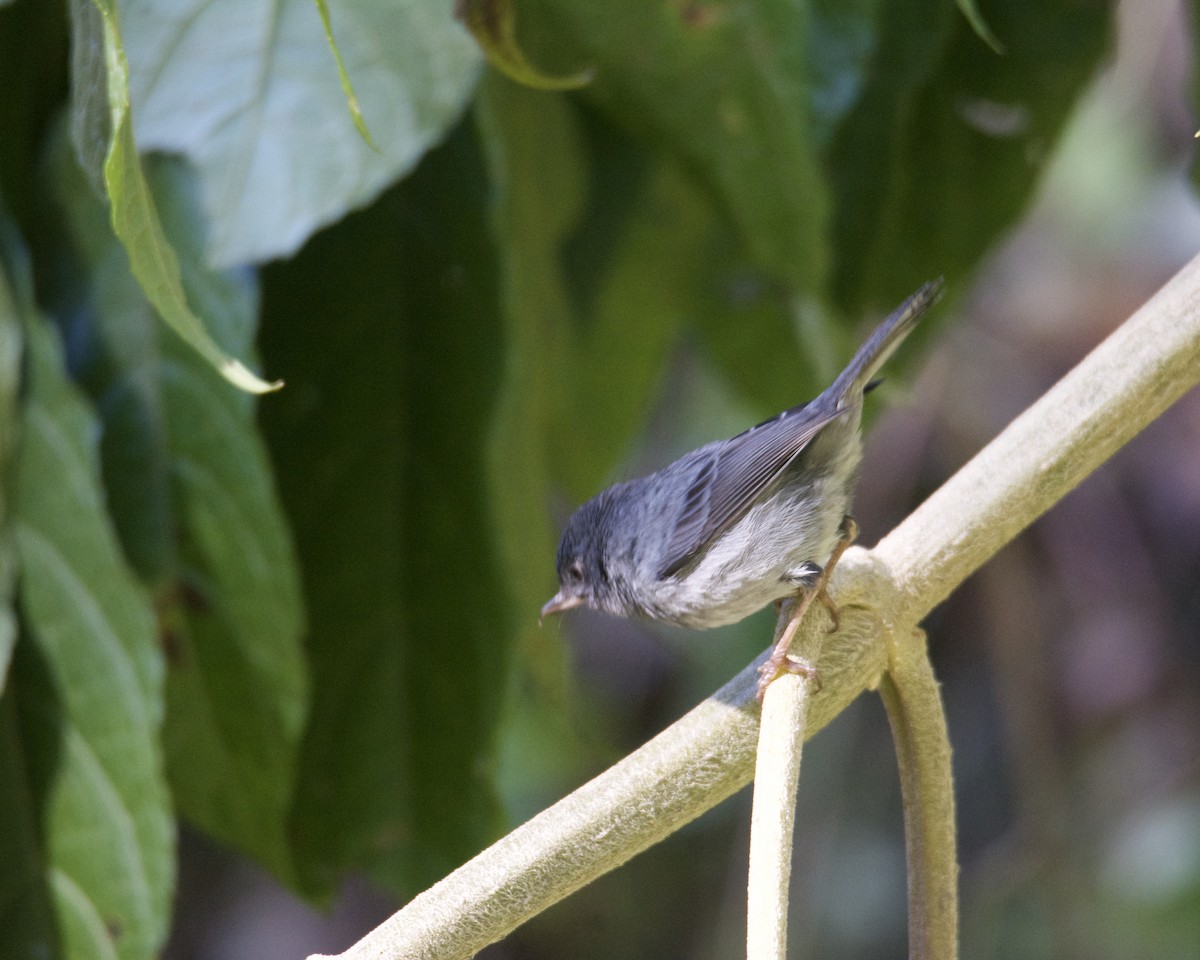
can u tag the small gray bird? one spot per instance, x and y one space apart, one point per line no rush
737 523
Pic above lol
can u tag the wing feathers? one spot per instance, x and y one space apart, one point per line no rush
737 472
733 477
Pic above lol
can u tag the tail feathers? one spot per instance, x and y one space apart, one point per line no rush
859 374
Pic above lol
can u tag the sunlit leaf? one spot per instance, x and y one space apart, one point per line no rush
134 217
246 89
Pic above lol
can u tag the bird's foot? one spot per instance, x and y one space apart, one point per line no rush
780 661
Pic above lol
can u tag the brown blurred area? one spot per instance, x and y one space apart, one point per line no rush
1070 664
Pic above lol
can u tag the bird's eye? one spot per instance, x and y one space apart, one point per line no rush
575 572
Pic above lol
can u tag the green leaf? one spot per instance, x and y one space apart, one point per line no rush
134 217
27 924
193 497
625 319
945 143
536 167
88 685
493 23
91 116
723 88
394 373
259 111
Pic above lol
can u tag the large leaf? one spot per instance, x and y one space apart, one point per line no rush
725 88
249 91
865 145
96 38
192 494
946 140
88 685
388 331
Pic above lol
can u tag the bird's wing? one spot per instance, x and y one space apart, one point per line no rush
733 476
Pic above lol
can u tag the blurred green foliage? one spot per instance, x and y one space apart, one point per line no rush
307 623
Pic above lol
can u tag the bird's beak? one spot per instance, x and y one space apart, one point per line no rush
560 602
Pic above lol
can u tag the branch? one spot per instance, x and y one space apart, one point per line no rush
1152 360
1147 364
782 732
914 708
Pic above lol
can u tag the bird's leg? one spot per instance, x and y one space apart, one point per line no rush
848 534
779 661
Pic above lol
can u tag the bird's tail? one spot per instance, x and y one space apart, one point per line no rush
882 343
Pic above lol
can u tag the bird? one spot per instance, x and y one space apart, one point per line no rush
739 523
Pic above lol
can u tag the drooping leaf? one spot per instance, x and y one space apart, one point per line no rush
87 685
493 23
134 217
246 89
379 443
193 498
